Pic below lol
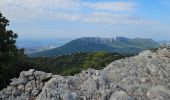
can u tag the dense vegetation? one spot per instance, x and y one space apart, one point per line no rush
75 63
12 59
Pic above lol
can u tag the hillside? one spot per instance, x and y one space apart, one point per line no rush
90 44
62 65
74 63
143 77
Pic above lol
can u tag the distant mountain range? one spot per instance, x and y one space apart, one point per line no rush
31 50
90 44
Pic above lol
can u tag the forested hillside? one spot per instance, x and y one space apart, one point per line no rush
75 63
91 44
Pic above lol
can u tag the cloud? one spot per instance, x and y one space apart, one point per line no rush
118 6
117 12
111 18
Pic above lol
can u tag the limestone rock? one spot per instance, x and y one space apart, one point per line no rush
42 75
70 96
120 95
90 86
29 73
159 93
19 81
35 92
143 77
26 87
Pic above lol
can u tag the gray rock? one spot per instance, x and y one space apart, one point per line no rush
42 76
9 88
120 95
105 94
30 86
159 93
70 96
90 86
19 81
97 73
153 69
35 92
39 85
31 77
29 73
143 77
21 87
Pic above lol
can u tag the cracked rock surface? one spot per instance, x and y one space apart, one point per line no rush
143 77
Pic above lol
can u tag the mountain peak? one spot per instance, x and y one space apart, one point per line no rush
90 44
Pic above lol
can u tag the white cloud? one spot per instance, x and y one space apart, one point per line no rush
71 10
112 6
111 18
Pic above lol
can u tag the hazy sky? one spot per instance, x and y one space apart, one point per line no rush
84 18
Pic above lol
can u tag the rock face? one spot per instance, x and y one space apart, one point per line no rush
142 77
27 87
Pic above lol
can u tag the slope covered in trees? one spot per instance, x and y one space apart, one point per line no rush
90 44
75 63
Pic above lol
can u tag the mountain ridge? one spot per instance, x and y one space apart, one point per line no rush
89 44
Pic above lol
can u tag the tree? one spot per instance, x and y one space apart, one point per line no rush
8 48
9 54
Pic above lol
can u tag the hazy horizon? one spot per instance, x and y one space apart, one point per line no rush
73 38
50 19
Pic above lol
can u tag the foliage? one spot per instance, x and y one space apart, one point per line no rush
12 59
74 63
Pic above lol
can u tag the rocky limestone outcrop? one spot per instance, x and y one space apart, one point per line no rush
27 87
143 77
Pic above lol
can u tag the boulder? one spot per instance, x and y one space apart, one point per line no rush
159 93
19 81
42 76
70 96
35 92
29 73
90 86
120 95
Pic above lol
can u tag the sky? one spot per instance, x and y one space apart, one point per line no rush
42 19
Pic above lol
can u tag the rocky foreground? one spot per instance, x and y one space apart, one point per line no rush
143 77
